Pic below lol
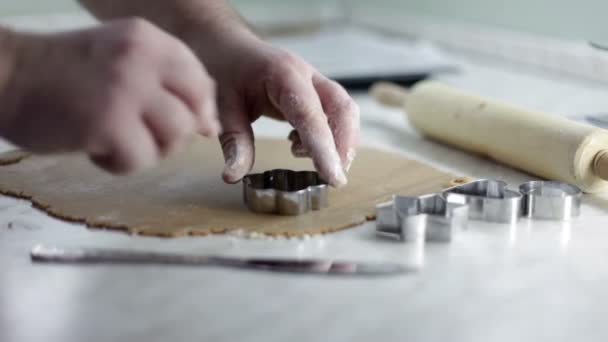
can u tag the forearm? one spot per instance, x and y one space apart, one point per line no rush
200 23
7 65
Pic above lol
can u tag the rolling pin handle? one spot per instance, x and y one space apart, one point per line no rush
600 164
389 94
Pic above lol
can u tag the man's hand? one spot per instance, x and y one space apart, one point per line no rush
255 78
127 93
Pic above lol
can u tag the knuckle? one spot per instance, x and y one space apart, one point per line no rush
341 103
119 82
180 52
302 112
268 68
113 104
338 90
284 77
280 64
136 27
347 106
295 108
287 58
134 38
280 87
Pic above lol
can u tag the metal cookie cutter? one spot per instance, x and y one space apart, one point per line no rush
490 200
284 192
433 217
550 200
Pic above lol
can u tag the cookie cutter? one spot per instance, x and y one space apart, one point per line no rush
490 200
434 217
285 192
550 200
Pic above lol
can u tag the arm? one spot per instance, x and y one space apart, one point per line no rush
255 79
200 23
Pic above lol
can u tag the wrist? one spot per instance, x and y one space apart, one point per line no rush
215 41
213 22
226 53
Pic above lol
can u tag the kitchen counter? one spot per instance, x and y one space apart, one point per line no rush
534 281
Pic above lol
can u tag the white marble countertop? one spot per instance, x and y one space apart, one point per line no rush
536 281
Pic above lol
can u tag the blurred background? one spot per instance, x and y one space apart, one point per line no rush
552 35
557 18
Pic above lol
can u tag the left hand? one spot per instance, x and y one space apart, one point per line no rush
254 79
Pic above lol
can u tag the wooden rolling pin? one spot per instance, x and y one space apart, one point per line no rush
546 145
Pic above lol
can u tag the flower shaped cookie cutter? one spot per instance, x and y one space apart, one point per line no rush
550 200
285 192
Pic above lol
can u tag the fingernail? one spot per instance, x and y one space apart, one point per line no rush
229 173
350 157
294 136
233 169
229 164
299 151
338 177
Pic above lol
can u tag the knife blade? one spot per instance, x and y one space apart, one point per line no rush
42 253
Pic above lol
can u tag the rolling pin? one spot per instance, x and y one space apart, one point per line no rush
542 144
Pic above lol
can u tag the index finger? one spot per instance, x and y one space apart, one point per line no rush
295 97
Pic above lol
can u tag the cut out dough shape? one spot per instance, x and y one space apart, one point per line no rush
185 194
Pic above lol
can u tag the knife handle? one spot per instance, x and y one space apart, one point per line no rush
97 255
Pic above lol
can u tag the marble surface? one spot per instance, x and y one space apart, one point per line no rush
534 281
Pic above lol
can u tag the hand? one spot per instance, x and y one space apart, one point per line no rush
126 93
256 79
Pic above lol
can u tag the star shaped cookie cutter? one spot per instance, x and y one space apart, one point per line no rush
285 192
434 217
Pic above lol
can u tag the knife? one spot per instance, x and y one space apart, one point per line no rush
41 253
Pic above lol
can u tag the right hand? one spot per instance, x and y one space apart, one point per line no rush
126 93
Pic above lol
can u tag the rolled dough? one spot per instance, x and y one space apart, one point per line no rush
185 194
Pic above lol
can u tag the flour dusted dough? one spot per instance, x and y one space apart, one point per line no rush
185 194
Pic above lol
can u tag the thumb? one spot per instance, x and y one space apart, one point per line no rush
236 140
